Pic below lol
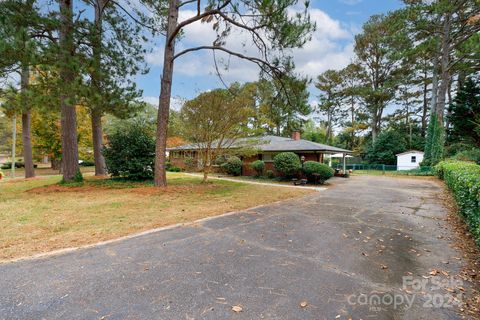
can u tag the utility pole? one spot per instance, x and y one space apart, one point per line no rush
14 143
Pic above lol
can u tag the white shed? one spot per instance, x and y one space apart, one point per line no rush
409 160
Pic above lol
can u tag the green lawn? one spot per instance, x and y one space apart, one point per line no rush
40 215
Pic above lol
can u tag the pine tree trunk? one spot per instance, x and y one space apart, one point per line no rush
26 125
164 101
445 72
449 95
97 134
374 129
353 123
97 130
425 104
56 164
67 107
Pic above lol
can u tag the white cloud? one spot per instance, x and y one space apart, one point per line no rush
175 102
151 100
351 2
330 47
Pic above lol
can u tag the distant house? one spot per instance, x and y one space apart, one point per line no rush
267 147
409 160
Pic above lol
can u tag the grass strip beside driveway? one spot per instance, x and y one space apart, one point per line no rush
39 215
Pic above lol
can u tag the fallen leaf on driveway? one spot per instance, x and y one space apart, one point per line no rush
303 304
237 309
383 267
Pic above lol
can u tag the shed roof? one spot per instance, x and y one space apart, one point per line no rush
272 143
409 151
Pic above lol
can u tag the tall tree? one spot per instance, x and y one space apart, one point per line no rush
270 25
21 26
377 50
464 115
350 94
67 76
283 104
115 54
330 84
449 26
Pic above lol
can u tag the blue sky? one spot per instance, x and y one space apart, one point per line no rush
337 23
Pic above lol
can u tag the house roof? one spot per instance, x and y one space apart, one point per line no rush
409 151
274 143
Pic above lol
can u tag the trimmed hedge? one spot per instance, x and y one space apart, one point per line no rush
233 166
258 166
287 163
322 171
463 179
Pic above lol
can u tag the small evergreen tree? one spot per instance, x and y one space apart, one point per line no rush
464 115
386 147
130 154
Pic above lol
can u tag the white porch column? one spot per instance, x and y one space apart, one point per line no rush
344 164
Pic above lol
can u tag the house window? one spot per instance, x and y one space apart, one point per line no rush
267 157
414 159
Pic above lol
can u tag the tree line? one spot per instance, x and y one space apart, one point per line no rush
81 58
73 54
408 66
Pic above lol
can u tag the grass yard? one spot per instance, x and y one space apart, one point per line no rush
39 215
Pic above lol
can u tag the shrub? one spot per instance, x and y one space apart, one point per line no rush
463 179
174 169
87 163
219 160
190 163
233 166
1 175
258 166
130 154
313 168
18 165
287 163
270 174
421 171
468 155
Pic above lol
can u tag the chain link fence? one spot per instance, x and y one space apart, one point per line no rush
379 169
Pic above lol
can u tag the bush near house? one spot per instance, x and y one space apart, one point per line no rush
317 172
258 166
130 154
190 163
233 166
270 174
463 179
287 163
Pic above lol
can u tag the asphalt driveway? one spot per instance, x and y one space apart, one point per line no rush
366 248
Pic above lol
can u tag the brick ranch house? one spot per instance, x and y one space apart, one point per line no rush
268 147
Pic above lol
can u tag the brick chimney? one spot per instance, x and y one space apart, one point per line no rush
296 135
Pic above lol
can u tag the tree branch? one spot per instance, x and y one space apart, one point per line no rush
194 19
135 19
